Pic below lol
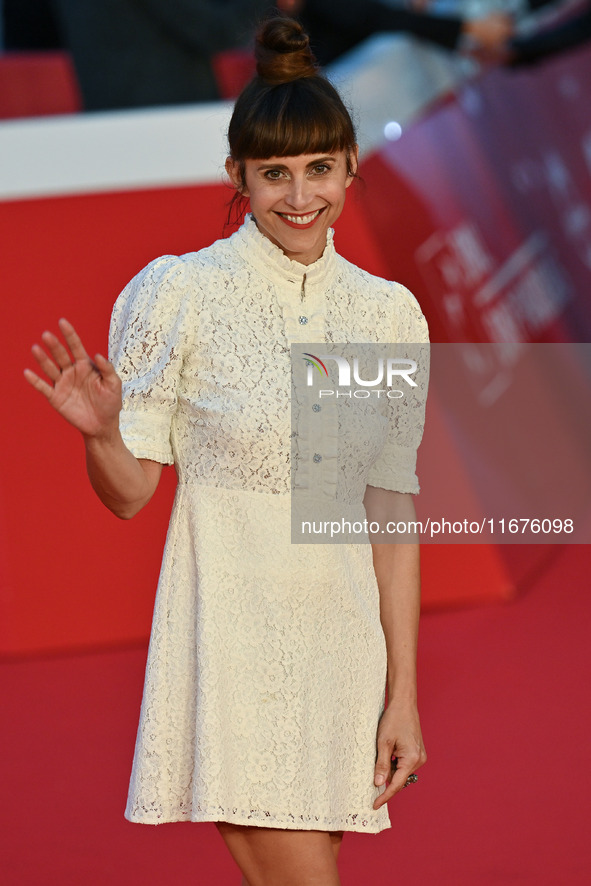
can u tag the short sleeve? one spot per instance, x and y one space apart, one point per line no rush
395 467
149 336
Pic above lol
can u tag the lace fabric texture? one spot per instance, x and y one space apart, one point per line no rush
267 661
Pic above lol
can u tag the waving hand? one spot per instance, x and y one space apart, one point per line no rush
86 393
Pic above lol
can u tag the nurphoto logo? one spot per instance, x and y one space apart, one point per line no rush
387 371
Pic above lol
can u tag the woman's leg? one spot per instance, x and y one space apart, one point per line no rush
336 838
280 857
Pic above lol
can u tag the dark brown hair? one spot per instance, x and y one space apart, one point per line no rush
289 108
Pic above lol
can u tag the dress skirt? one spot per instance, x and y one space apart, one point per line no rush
265 675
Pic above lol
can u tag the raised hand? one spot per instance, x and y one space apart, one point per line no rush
86 393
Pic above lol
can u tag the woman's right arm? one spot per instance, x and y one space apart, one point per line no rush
123 482
87 394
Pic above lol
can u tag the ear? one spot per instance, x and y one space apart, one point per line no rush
235 175
353 163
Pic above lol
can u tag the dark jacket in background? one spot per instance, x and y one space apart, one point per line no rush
560 38
336 26
29 25
131 53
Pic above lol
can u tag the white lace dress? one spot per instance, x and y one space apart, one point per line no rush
267 661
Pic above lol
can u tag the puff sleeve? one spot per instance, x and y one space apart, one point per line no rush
149 337
395 467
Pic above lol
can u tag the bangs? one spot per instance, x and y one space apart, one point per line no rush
292 119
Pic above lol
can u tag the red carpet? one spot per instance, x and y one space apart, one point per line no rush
504 798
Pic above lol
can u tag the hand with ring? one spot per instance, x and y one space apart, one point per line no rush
400 749
412 778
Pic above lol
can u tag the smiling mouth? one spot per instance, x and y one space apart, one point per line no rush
301 220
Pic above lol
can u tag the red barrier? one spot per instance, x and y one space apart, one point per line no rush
489 198
435 212
33 84
233 68
73 575
483 210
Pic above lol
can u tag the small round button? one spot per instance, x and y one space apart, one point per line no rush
316 407
303 320
317 457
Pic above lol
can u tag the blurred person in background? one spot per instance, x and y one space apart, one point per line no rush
336 27
131 53
568 33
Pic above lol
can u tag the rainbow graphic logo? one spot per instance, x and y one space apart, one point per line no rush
311 360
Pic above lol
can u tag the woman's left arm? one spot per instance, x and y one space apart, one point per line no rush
397 571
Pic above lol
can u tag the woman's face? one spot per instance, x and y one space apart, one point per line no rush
294 200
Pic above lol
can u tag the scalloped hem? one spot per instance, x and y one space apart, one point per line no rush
297 823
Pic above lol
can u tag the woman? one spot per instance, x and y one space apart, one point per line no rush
264 697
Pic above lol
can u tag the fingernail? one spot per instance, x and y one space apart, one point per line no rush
379 779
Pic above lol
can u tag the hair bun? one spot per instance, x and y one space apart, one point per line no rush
282 51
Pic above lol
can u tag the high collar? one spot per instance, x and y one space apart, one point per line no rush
273 263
